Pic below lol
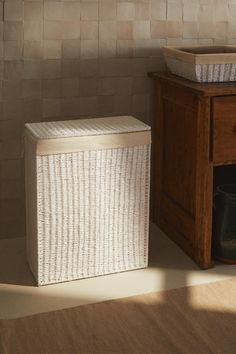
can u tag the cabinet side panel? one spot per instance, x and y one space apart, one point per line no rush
182 169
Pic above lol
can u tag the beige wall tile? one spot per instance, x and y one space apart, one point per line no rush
13 208
88 105
232 29
52 88
70 106
1 70
139 67
206 29
125 30
32 110
107 10
52 69
13 30
106 105
107 30
1 30
220 30
123 104
125 48
53 10
70 87
174 41
33 10
32 69
89 49
11 189
11 229
190 11
107 86
115 67
140 102
10 130
33 30
205 13
89 10
190 30
13 50
12 109
158 10
174 29
13 69
32 88
107 48
70 68
89 29
232 12
71 48
52 49
51 107
12 89
141 85
125 11
33 50
158 29
53 30
142 10
123 85
13 10
204 41
88 87
1 51
11 149
174 11
221 11
1 11
70 29
141 48
11 169
71 10
88 67
141 29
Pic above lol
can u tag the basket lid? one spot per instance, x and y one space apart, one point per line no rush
86 127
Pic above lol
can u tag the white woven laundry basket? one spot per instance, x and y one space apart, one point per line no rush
87 192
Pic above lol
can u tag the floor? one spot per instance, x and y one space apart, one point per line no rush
168 268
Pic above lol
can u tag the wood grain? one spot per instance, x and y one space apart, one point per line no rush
198 319
224 129
204 89
182 169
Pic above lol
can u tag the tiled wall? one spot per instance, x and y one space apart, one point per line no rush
67 59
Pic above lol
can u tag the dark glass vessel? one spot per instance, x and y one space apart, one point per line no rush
224 223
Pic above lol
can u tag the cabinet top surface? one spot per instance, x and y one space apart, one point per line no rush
205 89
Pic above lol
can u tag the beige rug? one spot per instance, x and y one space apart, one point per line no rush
198 319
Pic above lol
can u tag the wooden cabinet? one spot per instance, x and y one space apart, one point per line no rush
194 129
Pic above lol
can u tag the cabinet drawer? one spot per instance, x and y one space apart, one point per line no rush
224 129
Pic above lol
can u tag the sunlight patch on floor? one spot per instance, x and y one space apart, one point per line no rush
168 268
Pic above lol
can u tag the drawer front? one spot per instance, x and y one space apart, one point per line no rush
224 129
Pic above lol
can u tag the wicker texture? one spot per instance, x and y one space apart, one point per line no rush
86 127
202 72
92 213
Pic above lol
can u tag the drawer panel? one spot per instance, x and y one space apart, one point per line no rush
224 129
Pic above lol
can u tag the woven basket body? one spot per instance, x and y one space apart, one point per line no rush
202 72
87 210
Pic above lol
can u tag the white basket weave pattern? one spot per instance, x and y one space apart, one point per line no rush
93 211
202 72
